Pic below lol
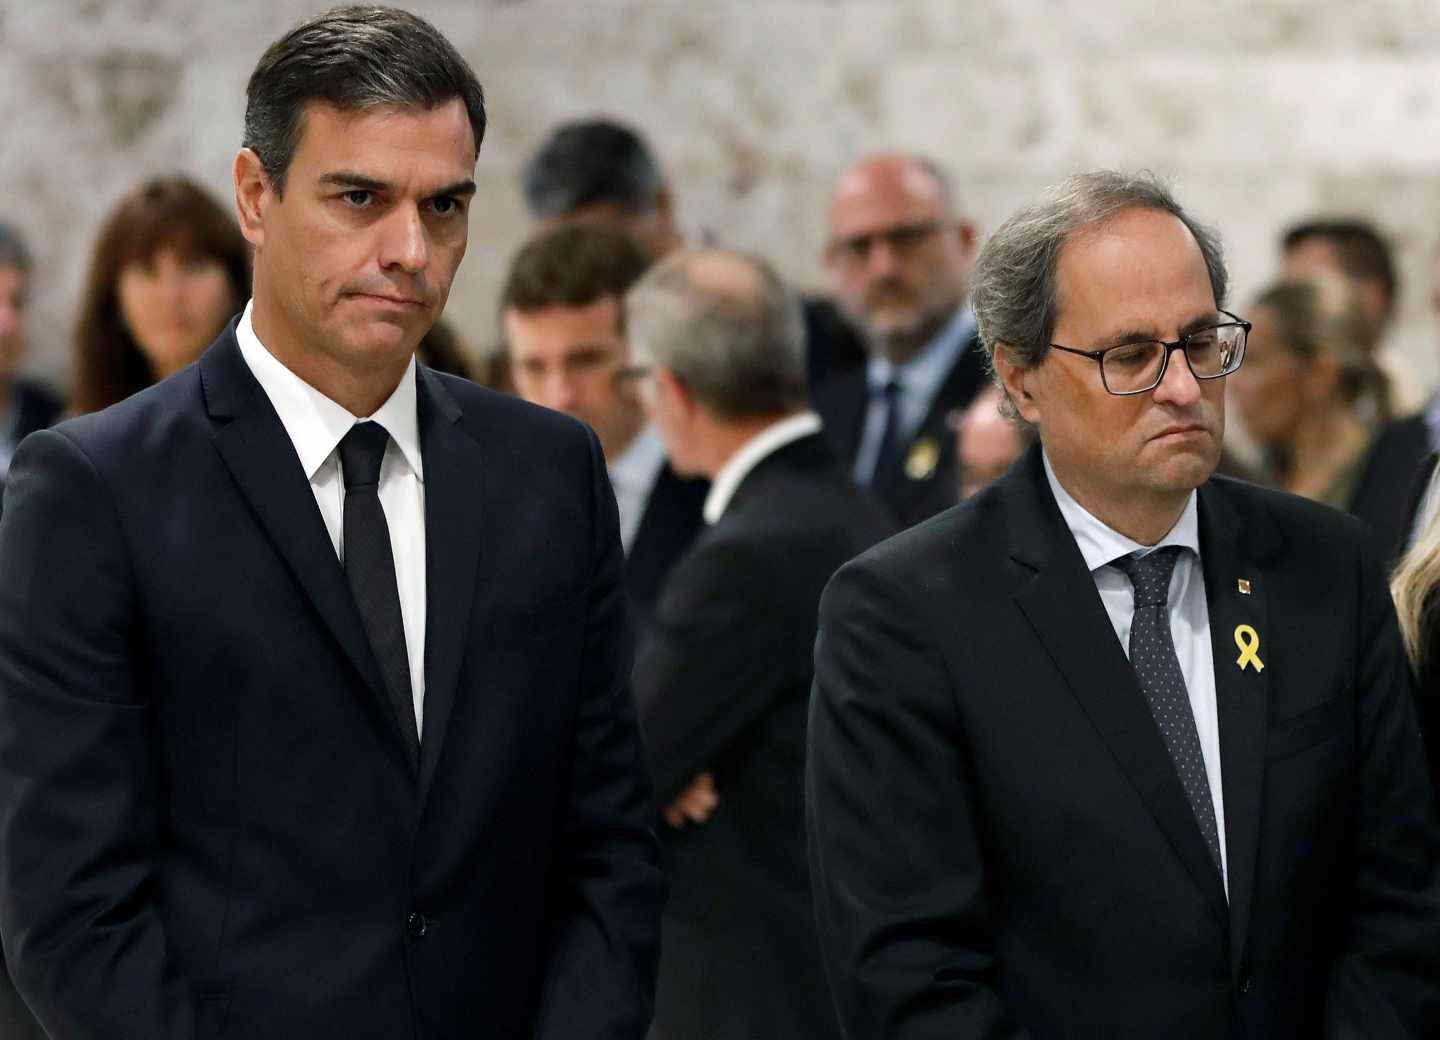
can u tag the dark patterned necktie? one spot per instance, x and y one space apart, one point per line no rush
1152 654
370 568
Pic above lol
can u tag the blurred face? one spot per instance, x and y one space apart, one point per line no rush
1268 389
898 260
174 306
13 284
354 262
1316 257
568 359
677 419
1138 276
988 444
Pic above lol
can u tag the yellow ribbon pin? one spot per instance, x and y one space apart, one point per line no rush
1248 640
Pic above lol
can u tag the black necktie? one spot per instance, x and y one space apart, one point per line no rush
887 459
370 567
1152 654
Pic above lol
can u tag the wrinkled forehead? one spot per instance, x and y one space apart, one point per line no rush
1140 272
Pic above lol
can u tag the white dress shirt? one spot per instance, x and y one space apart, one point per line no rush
633 477
750 454
316 426
1189 616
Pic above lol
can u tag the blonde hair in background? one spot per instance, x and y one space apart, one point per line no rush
1418 573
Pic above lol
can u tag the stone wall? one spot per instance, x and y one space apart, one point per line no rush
1265 111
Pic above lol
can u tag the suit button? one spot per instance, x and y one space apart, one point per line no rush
416 925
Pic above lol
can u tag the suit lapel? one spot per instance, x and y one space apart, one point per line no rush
1064 609
260 456
454 521
1241 695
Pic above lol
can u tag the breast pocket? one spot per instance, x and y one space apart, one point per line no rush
1291 736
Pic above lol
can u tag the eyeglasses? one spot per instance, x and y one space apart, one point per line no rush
1139 367
901 239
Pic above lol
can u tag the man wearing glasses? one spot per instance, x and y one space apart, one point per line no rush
1119 748
899 259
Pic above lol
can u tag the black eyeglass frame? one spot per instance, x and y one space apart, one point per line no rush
1098 356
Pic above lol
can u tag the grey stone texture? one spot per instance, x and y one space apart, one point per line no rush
1264 111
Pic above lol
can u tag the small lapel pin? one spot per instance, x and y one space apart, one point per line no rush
1244 586
923 458
1248 641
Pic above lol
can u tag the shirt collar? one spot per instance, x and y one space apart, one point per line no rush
926 370
1101 544
640 462
315 423
750 454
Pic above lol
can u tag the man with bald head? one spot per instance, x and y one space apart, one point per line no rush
723 682
899 259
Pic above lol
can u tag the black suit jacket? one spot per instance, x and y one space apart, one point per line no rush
209 824
667 527
1002 848
723 685
1392 482
911 494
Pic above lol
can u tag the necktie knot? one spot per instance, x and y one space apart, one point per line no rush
1150 574
361 452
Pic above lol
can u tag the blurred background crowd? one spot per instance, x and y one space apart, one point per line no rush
862 147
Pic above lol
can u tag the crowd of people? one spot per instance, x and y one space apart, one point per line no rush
882 808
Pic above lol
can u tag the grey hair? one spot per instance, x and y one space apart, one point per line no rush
352 58
1014 288
13 251
740 353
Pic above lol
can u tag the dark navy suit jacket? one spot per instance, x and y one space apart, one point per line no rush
208 822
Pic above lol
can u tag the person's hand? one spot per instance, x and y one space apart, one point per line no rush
695 803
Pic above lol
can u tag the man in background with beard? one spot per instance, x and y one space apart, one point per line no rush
899 258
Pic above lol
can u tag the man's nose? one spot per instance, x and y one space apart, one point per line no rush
1179 385
560 392
403 243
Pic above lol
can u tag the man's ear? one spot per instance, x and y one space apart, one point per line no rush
677 395
1015 380
253 192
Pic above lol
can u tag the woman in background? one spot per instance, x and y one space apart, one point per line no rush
169 269
1310 392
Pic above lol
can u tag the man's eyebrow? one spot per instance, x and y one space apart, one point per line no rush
465 187
349 179
358 181
1135 335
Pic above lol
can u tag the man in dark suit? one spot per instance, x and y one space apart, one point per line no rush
24 408
723 681
1017 831
599 171
565 337
899 258
314 715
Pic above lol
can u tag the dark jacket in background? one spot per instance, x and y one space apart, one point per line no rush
1001 845
1392 483
722 686
912 492
669 524
209 821
832 346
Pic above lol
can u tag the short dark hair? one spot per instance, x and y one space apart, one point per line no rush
573 266
13 251
1359 247
352 58
591 161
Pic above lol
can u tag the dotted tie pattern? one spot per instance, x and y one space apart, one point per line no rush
1152 655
